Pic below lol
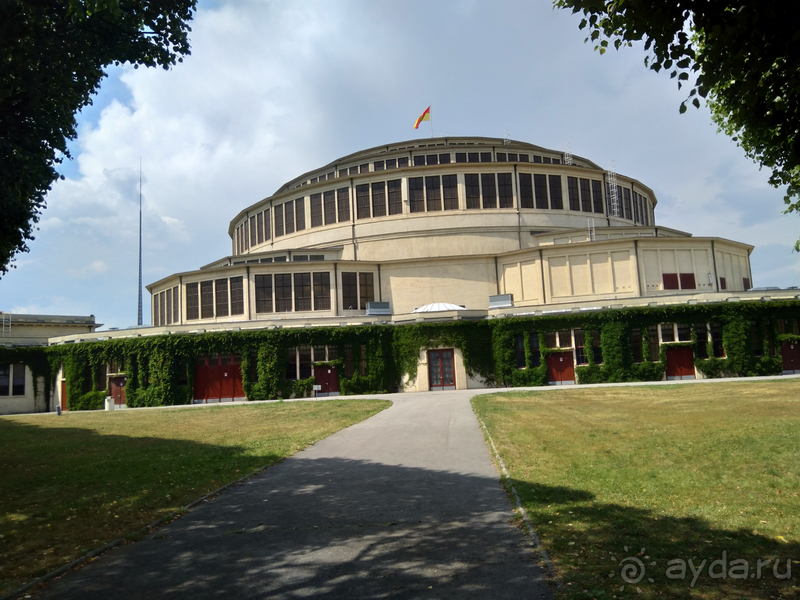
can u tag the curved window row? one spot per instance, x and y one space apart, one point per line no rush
428 159
432 193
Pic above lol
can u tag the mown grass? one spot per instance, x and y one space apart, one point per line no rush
73 483
656 474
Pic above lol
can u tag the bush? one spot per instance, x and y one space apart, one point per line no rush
89 401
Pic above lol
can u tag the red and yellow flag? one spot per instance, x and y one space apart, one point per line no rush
426 116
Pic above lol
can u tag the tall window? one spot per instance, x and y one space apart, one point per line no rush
716 340
168 306
350 291
260 227
267 225
473 189
283 292
300 214
366 289
316 210
489 190
519 350
540 188
701 333
652 344
330 207
206 299
395 197
279 221
192 302
302 291
343 198
288 209
362 201
221 289
572 192
597 196
586 196
416 194
253 237
433 193
580 347
636 343
556 202
176 305
379 199
505 192
536 355
237 295
263 293
322 291
626 203
525 190
450 188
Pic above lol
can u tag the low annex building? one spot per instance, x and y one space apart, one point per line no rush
450 263
20 335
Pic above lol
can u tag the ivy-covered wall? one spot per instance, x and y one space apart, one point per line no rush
160 369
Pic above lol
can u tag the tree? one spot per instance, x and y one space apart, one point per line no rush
52 59
744 57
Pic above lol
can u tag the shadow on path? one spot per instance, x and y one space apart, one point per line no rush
329 528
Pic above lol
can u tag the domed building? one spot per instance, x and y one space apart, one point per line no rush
449 263
473 222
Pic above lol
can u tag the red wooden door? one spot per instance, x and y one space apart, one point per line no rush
790 353
441 372
217 378
117 388
64 395
680 363
560 368
327 378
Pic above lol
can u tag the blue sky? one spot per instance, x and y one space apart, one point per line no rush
274 89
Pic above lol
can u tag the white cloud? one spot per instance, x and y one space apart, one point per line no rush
272 90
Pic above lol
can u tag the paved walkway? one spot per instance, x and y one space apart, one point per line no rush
404 505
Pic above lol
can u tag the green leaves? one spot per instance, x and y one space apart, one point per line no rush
53 54
745 60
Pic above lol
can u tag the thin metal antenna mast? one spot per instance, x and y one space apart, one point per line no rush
139 321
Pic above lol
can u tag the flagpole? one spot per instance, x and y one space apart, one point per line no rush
430 120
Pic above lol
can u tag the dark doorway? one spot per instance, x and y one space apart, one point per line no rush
64 395
326 377
441 374
560 368
680 363
790 353
218 378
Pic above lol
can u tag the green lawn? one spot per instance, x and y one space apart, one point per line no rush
612 476
72 483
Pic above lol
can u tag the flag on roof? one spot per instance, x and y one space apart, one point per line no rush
426 116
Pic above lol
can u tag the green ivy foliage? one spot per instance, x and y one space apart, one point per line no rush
160 369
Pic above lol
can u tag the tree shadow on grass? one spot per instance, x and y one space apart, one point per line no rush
67 490
594 544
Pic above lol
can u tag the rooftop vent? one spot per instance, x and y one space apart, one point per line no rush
378 309
501 301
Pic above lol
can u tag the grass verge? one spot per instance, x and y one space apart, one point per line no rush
73 483
659 491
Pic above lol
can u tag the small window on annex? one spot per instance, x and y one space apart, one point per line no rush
12 379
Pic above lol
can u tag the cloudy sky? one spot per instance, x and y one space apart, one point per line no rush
274 89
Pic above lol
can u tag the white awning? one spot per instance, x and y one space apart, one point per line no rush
438 307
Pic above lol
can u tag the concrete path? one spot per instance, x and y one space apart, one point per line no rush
404 505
